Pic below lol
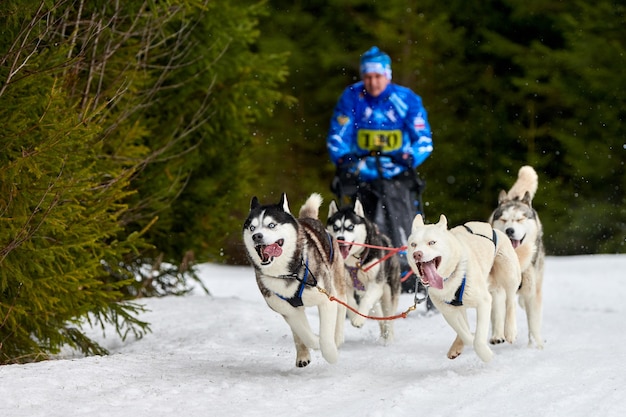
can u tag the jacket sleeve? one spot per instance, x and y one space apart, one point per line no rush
341 136
418 128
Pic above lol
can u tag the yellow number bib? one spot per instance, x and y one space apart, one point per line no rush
379 140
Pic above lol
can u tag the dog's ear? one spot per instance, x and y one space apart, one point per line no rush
502 197
443 222
332 208
284 203
418 221
527 199
358 208
254 203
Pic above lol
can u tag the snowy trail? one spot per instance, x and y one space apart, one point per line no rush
229 355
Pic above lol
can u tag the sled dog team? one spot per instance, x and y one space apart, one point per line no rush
299 262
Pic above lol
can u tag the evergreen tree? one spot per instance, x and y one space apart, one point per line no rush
60 205
124 124
204 123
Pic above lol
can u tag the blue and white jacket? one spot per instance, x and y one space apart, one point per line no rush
393 126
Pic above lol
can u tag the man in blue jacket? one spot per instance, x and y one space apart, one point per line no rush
379 133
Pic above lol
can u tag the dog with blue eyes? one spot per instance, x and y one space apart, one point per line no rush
297 265
373 274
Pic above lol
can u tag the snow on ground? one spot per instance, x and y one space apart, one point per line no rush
228 355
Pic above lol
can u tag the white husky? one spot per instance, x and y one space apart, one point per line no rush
518 219
469 266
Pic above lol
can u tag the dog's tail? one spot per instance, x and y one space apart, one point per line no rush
527 180
311 207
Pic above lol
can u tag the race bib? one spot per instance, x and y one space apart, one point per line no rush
379 140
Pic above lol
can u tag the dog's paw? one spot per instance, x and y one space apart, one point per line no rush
301 363
453 354
497 340
511 338
386 336
358 321
456 349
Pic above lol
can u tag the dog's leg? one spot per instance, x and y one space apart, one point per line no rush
457 319
351 302
530 296
456 349
299 324
328 322
372 294
303 356
377 311
339 326
483 313
510 320
498 302
389 305
303 337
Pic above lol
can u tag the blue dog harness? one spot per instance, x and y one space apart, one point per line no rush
458 295
296 299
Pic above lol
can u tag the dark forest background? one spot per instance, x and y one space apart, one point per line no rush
135 133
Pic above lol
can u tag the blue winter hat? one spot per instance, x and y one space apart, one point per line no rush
375 60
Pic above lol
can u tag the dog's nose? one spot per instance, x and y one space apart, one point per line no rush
418 255
509 231
257 237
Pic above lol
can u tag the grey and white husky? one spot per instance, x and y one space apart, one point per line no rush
516 217
293 258
375 284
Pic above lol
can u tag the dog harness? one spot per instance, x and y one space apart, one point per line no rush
458 295
296 300
494 237
457 301
354 274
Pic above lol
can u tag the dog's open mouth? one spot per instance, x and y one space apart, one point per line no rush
344 248
516 243
428 273
267 253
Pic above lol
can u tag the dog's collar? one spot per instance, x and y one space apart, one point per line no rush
362 256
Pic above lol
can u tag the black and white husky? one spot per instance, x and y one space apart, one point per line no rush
516 217
375 284
293 259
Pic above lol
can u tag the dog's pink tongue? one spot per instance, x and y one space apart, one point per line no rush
515 243
345 250
431 276
273 250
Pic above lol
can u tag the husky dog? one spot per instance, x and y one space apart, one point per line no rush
469 266
293 259
516 217
373 281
